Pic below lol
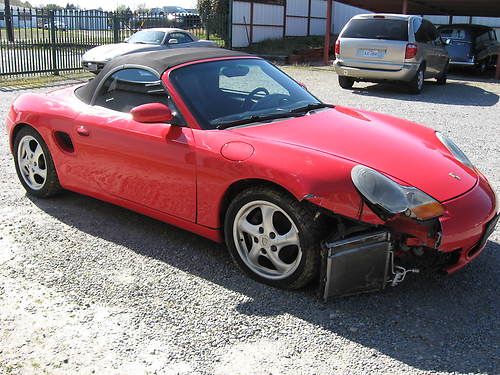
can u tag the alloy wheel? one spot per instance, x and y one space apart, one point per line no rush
32 163
267 240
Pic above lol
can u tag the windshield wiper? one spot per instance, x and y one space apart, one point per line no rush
255 118
310 107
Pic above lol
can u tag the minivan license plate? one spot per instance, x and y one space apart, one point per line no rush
371 53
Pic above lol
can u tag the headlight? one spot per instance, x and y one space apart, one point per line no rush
391 198
454 149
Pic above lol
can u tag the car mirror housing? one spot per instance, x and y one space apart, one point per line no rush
447 41
173 41
152 112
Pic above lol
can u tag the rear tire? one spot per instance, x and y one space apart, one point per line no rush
416 85
346 82
273 238
34 164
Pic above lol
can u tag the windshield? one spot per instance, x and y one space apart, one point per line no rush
147 37
240 91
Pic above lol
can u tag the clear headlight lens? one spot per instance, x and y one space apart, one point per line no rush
393 198
454 149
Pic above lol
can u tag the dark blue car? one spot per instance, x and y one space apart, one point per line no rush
471 45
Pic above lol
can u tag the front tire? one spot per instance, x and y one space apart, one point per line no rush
346 82
34 164
273 238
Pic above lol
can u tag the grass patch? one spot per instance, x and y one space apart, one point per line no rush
37 81
287 45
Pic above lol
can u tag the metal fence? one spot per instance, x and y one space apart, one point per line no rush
38 41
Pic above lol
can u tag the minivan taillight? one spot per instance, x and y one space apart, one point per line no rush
411 51
337 47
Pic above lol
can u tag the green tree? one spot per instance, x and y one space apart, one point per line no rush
213 14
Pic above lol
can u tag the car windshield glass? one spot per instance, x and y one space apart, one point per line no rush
240 91
455 34
147 37
377 28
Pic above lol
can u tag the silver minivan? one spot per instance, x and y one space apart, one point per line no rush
390 47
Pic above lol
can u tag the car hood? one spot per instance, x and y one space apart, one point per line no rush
109 51
398 148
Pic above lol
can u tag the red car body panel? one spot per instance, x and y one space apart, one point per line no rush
182 175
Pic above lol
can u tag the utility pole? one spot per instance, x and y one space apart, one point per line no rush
8 21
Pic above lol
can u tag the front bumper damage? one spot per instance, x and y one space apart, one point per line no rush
372 259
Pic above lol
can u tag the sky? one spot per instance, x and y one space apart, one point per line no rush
111 4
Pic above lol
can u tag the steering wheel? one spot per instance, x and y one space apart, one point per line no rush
249 100
271 101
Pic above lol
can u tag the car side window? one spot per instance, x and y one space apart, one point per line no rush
419 30
181 37
129 88
430 31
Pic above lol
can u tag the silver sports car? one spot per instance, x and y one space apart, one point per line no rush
144 40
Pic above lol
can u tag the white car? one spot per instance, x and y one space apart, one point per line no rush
145 40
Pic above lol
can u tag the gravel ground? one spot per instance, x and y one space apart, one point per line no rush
87 287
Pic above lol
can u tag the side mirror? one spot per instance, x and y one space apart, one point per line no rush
447 41
151 113
173 41
126 39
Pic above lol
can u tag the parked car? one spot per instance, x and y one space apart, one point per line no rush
474 46
389 47
145 40
168 16
237 151
58 25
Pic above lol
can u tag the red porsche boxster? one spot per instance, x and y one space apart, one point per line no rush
228 146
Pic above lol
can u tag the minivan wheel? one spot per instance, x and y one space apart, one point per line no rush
273 237
441 80
416 85
346 82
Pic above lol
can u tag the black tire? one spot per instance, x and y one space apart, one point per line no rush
50 186
346 82
416 85
309 234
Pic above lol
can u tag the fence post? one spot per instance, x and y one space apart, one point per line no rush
53 42
8 21
229 41
116 28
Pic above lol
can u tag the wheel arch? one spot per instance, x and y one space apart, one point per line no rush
238 186
16 129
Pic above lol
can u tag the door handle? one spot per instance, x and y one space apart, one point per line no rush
83 131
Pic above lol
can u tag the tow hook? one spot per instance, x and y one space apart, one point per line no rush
398 272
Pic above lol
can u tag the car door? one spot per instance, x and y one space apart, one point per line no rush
148 164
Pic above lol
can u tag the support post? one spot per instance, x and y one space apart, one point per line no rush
450 20
328 31
116 27
8 21
405 7
497 74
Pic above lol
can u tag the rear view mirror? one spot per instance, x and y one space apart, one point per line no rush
235 71
173 41
151 113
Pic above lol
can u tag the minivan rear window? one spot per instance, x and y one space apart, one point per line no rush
377 28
